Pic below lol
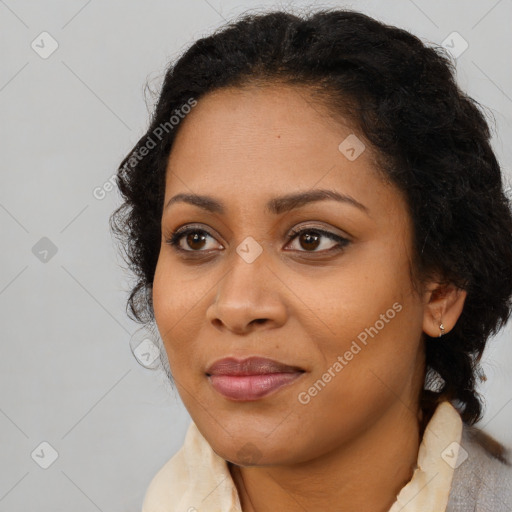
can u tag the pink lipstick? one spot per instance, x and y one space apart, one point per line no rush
250 379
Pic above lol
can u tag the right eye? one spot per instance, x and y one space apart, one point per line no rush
192 237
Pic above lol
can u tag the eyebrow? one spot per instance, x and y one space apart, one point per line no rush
276 205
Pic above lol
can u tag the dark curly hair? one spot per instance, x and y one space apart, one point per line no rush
432 140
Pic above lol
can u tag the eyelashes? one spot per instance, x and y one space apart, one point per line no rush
314 234
309 235
179 234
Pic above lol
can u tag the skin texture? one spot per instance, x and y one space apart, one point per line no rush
356 441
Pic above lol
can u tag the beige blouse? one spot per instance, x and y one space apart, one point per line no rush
196 479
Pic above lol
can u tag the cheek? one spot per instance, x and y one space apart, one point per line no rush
380 355
176 305
364 291
163 303
363 376
375 326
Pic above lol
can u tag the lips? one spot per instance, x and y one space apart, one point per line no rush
250 379
249 366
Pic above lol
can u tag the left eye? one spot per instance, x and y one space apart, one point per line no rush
311 240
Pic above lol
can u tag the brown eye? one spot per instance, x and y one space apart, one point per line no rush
309 240
191 240
195 241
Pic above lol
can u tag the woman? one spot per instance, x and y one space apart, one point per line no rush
319 229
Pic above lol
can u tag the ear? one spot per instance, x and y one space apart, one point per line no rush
443 305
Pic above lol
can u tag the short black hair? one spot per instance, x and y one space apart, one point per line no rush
432 140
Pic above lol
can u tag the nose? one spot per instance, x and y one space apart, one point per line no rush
248 297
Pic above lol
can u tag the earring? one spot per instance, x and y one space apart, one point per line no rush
441 327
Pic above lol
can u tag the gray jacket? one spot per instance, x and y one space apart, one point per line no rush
482 483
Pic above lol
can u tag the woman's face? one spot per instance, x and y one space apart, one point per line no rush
335 303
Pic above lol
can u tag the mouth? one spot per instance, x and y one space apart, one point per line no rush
252 378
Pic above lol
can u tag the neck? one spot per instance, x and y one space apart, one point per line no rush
365 475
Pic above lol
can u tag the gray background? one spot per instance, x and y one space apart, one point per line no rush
67 375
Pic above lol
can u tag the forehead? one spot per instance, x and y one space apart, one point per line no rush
259 122
260 141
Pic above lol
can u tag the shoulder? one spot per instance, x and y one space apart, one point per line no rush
482 479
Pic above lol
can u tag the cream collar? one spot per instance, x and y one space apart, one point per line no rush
197 479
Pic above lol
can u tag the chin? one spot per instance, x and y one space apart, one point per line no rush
243 451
